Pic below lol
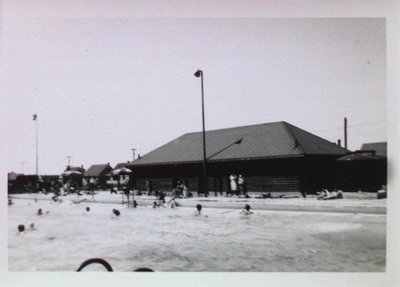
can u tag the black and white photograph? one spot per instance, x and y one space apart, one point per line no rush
197 145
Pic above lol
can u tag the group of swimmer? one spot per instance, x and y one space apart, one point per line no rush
40 212
245 211
21 227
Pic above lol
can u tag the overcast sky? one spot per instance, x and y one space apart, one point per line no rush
102 86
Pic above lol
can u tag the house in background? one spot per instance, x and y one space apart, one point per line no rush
74 175
11 176
11 179
379 168
364 169
120 175
380 148
98 174
22 183
272 157
79 169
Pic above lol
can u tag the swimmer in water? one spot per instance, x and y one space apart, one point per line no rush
21 228
87 208
116 212
39 212
246 210
198 210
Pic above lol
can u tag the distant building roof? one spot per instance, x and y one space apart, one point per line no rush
13 175
98 169
76 168
379 147
278 139
121 165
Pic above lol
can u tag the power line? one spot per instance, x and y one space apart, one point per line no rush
351 126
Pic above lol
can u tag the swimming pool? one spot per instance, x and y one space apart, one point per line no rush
167 239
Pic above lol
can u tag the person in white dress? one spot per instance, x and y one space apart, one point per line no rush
234 184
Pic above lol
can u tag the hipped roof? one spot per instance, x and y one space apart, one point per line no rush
379 147
121 165
75 168
269 140
98 169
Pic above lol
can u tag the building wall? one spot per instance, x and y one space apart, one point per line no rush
270 175
367 176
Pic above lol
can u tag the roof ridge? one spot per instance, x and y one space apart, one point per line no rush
231 128
291 134
320 138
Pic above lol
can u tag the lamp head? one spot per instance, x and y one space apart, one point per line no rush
198 73
239 141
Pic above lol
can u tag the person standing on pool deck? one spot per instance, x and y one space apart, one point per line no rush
241 184
233 183
149 187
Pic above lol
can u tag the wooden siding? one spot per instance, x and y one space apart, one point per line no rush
273 183
221 184
161 184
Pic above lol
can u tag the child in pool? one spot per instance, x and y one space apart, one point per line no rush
246 210
198 210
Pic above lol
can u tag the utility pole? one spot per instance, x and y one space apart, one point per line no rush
69 160
133 151
345 133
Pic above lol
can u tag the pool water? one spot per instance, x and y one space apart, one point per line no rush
166 239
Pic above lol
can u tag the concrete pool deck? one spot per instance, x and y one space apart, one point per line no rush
352 202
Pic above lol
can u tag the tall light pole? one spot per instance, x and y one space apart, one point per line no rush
37 144
239 141
199 73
